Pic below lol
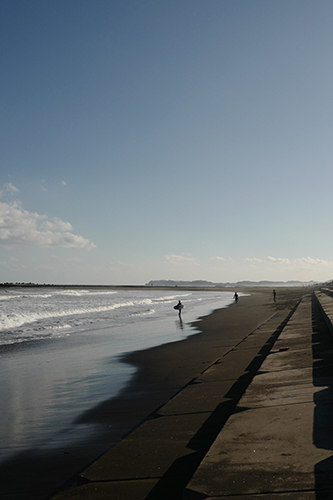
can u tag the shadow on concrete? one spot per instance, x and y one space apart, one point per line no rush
175 480
322 351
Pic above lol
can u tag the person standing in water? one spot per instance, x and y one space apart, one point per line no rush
179 307
236 297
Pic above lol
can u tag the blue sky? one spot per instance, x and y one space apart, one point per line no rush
154 139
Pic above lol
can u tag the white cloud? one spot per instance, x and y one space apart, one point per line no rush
64 183
300 267
57 225
19 227
125 264
217 257
315 262
303 262
11 189
279 260
180 259
253 259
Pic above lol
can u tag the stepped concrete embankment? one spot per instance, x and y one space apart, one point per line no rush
253 424
278 444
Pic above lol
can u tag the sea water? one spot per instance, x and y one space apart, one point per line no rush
61 348
32 314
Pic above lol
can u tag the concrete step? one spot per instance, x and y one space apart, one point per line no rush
279 441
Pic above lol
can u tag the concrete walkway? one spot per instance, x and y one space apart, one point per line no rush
236 432
278 444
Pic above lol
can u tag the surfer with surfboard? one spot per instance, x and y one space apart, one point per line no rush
179 307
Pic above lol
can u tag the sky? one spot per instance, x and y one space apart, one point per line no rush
166 139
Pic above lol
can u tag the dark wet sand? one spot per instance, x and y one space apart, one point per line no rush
162 372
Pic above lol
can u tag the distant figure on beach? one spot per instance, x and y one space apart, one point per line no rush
274 295
179 307
236 297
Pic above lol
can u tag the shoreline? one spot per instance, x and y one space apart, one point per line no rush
162 372
78 443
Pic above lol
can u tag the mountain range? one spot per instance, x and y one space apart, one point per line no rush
206 284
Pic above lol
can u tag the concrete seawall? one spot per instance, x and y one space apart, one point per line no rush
279 441
325 304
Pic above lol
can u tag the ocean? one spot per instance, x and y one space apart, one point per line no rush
61 349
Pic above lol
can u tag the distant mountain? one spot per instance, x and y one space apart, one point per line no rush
210 284
272 283
181 283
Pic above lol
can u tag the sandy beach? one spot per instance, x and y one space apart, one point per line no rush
162 372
